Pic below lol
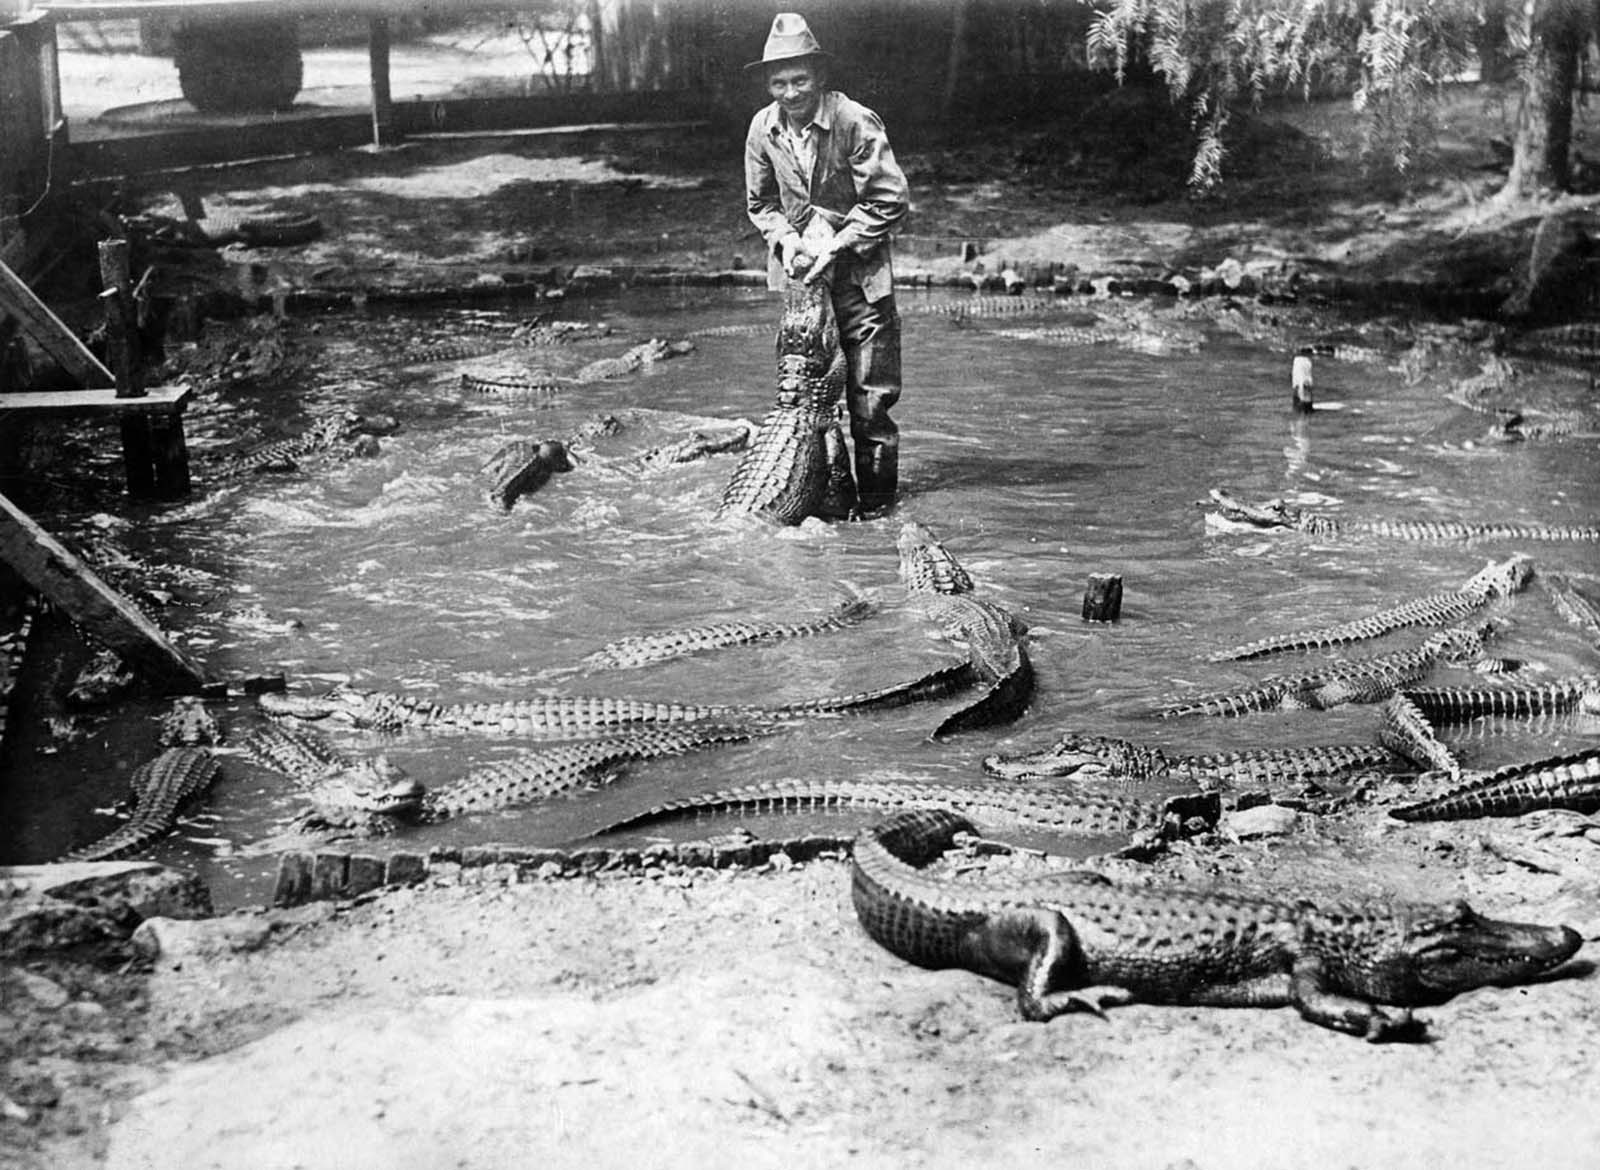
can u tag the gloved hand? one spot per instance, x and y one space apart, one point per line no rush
792 254
821 260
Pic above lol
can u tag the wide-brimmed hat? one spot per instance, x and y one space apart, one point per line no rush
790 39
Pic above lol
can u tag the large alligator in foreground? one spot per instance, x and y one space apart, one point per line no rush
935 580
160 788
1278 514
1273 769
1066 809
1565 782
1075 941
1357 680
797 464
1491 583
565 716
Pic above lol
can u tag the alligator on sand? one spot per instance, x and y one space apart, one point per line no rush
1072 940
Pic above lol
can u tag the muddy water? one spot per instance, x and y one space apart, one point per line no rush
1037 464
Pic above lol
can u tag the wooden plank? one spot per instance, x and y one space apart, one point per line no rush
77 403
45 564
61 343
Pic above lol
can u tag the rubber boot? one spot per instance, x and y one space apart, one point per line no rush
877 476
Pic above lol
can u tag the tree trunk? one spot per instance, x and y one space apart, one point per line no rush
1494 44
1540 162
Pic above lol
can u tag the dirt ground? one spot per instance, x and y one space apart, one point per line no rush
699 1018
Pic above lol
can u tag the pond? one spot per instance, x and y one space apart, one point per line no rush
1037 463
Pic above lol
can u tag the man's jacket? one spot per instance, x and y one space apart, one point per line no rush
855 185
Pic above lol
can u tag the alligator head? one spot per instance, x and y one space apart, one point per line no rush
926 566
370 798
808 348
1425 954
1502 580
1078 754
1272 514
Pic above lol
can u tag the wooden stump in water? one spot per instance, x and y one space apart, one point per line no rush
1300 378
1102 600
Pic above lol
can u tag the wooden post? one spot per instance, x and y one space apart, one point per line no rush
1102 600
67 582
122 337
122 348
1300 378
383 127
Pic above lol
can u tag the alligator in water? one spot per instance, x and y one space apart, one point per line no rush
626 653
1066 809
631 360
1564 782
1405 730
935 580
187 723
1493 582
576 715
1461 704
790 466
1276 770
369 796
363 799
523 466
1357 680
1074 940
1575 605
482 339
340 432
160 788
1278 514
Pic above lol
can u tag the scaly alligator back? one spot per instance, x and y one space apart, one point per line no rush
1437 609
1406 731
564 767
1064 809
1460 704
568 716
160 787
1277 514
1569 782
936 580
1575 606
785 473
627 653
1073 940
1270 768
1365 680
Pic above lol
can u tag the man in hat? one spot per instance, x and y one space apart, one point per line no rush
814 153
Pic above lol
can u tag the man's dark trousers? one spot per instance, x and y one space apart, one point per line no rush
869 333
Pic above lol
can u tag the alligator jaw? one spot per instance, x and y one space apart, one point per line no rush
1452 948
1272 514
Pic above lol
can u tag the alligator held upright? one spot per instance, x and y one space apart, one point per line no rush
1073 940
787 470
